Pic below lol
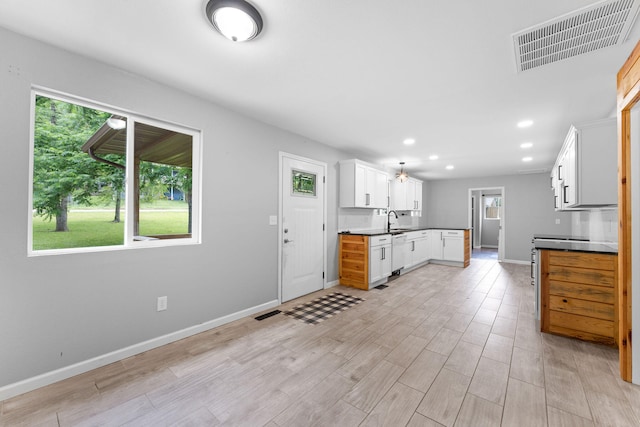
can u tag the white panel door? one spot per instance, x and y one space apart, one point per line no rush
302 227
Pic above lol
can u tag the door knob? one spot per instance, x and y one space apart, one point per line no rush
288 241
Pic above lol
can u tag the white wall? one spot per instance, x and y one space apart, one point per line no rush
56 311
528 208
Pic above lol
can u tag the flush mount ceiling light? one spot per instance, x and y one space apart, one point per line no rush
526 145
409 141
525 123
402 176
433 157
237 20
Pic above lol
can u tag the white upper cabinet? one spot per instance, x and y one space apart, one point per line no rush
406 196
585 173
363 186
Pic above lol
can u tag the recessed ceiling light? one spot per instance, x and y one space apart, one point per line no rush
433 157
237 20
525 123
449 167
526 145
527 159
409 141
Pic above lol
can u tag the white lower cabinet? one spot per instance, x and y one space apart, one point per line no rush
447 245
435 249
417 248
453 245
379 257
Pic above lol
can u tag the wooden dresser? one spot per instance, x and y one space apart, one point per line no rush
578 295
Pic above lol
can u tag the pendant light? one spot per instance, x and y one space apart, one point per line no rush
402 176
237 20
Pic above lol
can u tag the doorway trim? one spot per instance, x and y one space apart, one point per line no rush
323 165
501 233
628 95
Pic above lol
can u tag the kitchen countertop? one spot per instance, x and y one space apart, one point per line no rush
576 246
380 231
559 237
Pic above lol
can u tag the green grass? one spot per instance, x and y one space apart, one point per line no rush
93 227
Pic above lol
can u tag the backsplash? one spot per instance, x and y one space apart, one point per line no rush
598 225
369 219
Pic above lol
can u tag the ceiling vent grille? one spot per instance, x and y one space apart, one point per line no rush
594 27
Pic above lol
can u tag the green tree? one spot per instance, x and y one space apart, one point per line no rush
61 170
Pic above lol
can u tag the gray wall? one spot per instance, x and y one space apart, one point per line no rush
59 310
528 208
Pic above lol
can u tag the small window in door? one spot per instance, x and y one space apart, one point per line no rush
303 183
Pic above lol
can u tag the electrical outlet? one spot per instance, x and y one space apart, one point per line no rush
162 303
557 221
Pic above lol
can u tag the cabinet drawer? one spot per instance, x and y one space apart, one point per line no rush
380 240
601 294
582 307
585 260
453 233
580 323
582 275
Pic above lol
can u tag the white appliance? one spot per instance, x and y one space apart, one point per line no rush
397 251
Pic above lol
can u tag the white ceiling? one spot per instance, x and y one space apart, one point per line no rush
361 75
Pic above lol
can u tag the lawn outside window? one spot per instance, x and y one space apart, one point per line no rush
107 179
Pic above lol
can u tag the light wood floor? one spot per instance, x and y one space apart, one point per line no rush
440 346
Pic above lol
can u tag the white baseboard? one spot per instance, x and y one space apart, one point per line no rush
516 261
51 377
332 284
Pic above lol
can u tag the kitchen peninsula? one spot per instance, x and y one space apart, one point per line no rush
576 285
367 258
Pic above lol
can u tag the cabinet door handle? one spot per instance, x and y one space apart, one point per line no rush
564 194
555 201
413 246
560 172
368 199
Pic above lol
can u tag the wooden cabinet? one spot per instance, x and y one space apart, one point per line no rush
406 196
585 172
364 260
363 186
578 292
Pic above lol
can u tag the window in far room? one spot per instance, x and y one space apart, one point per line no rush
492 206
108 179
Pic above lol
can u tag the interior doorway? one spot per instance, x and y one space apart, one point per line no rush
486 222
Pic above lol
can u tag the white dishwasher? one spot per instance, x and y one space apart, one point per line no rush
397 251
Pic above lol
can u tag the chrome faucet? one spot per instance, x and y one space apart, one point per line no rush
389 219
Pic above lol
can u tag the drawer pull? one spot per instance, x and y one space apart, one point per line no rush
564 300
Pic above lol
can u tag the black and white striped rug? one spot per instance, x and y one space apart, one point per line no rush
323 308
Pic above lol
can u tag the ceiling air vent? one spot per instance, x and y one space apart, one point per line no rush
594 27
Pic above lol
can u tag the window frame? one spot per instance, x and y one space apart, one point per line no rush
132 118
484 210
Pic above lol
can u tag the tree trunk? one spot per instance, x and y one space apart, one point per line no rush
116 217
188 197
61 216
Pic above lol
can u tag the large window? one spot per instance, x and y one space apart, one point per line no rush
110 179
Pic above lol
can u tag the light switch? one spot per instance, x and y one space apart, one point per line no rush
273 220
